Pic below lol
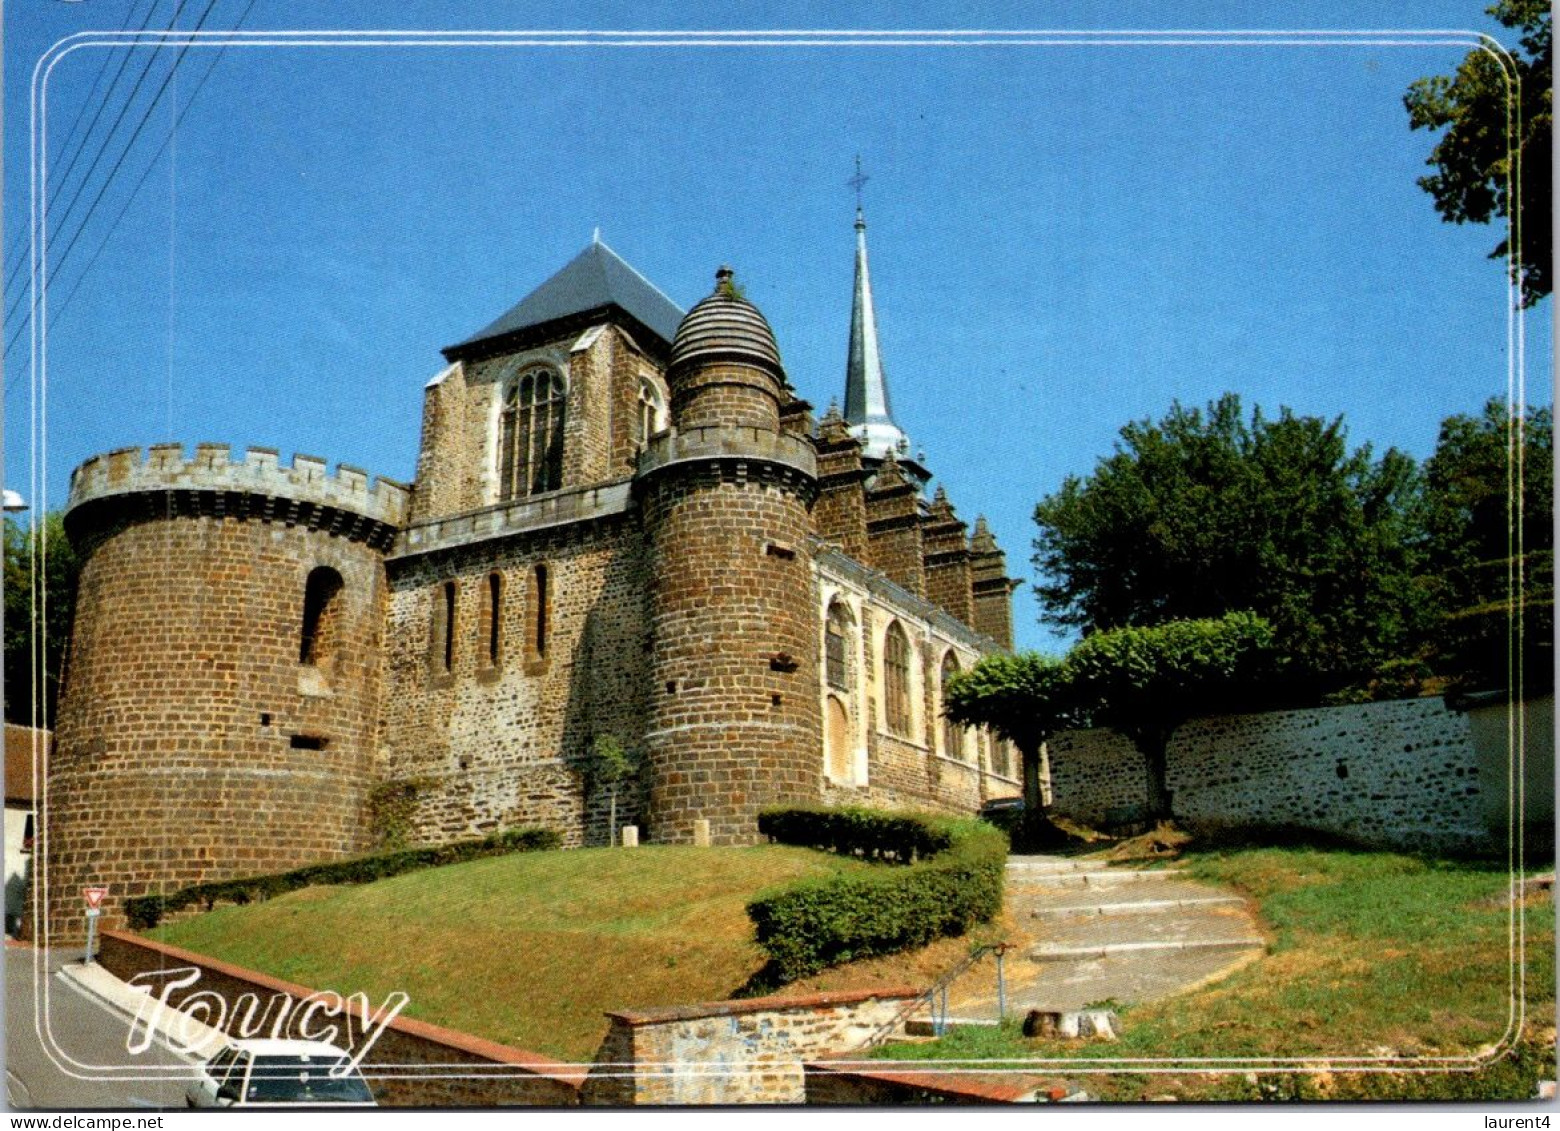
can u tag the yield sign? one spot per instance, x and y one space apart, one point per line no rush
94 897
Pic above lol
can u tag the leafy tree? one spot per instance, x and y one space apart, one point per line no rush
1487 125
1200 515
1024 698
611 764
50 608
1145 682
1490 523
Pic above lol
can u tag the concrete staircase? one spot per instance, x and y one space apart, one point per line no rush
1091 933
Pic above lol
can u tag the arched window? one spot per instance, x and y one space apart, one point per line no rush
321 617
651 415
530 453
492 619
952 734
837 740
896 680
836 648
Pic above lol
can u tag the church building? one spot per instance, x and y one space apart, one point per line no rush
626 528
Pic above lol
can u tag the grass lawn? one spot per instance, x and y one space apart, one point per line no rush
528 950
1374 954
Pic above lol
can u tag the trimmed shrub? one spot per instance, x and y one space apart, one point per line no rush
145 911
954 882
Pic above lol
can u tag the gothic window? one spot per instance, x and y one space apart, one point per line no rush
321 614
836 648
952 733
896 680
530 436
837 740
492 619
651 415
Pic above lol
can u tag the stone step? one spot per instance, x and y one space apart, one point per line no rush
1090 879
923 1026
1135 907
1107 950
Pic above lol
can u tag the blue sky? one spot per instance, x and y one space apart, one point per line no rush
1063 238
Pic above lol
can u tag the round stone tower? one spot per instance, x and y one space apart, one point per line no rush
733 722
220 703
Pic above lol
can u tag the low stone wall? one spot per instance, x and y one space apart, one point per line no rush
1398 774
733 1052
409 1064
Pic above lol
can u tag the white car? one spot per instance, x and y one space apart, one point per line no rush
279 1074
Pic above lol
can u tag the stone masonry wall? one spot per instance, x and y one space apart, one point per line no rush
192 743
486 745
733 1052
1401 774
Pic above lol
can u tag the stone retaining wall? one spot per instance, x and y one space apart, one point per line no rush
1399 774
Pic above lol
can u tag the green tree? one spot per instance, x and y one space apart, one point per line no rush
1489 514
609 766
1497 112
1025 698
1203 514
37 599
1146 681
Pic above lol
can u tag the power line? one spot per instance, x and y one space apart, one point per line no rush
107 97
123 154
189 103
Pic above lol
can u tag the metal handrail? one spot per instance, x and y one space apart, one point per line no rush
939 990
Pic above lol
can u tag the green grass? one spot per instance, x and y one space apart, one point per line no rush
1373 954
528 950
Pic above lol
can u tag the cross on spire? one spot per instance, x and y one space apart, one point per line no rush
857 181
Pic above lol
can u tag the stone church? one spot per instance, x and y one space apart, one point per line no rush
625 525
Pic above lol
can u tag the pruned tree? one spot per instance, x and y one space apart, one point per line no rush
1495 159
1024 698
1145 682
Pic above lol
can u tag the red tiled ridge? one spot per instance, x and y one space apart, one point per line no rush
464 1042
822 1000
988 1089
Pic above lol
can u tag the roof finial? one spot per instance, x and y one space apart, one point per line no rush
595 235
856 182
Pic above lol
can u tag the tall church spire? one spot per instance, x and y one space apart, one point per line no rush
867 409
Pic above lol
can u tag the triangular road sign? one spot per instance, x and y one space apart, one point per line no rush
94 897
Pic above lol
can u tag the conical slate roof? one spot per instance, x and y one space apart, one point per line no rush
725 325
594 279
867 407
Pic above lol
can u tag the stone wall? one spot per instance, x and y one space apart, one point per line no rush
410 1064
498 740
1401 774
195 742
733 1052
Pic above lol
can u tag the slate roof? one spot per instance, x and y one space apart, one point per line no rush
594 279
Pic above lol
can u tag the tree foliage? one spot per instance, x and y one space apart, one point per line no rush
1202 514
1488 124
49 608
1489 517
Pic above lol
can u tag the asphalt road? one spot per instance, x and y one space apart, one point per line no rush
79 1029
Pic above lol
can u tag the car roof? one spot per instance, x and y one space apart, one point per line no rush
271 1047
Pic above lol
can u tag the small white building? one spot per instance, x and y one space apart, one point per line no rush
22 746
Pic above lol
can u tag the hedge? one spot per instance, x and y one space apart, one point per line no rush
954 882
145 911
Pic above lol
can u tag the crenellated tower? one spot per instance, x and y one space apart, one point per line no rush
725 495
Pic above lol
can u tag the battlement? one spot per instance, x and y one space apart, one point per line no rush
306 492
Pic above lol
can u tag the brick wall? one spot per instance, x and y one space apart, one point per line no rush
192 744
733 1052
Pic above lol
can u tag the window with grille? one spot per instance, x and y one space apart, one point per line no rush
952 733
836 648
531 435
